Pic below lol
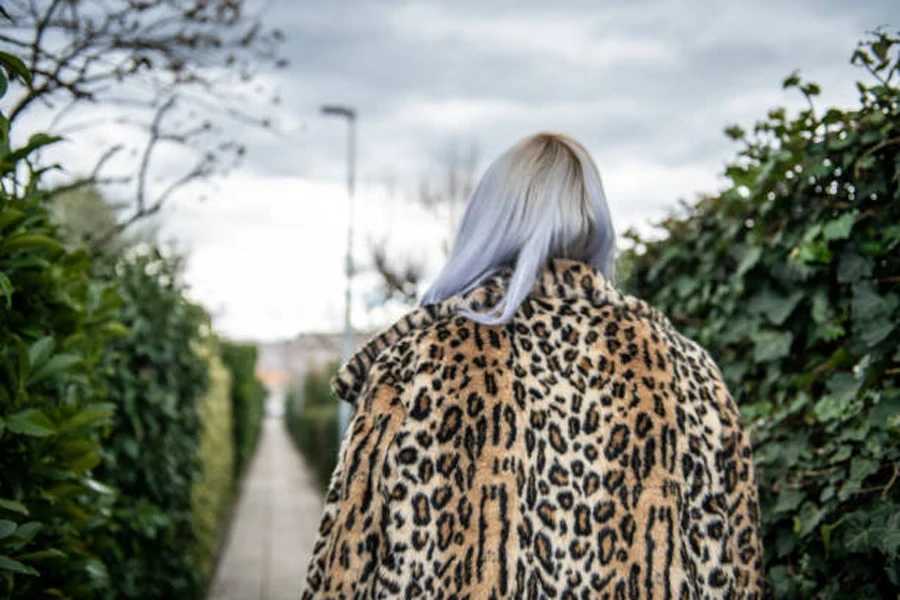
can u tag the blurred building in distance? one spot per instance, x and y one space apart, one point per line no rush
286 362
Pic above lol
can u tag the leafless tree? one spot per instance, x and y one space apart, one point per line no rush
156 65
444 191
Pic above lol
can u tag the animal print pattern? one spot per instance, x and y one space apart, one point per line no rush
587 450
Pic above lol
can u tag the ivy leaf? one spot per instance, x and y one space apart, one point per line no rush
772 345
861 467
852 267
788 500
749 260
808 519
774 306
872 313
839 229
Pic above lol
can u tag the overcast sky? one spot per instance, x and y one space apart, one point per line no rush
647 86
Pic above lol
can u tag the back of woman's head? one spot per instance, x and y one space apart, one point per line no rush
542 199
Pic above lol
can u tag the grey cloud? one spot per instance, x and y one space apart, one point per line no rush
384 57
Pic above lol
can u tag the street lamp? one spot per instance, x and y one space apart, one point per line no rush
349 114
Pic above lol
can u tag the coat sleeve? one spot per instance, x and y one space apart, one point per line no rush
350 542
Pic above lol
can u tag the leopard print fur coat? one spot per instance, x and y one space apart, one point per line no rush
586 450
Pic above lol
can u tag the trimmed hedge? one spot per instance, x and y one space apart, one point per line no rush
54 322
790 278
213 490
109 486
311 416
157 378
247 400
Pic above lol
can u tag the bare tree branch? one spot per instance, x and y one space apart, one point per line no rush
94 178
138 56
445 189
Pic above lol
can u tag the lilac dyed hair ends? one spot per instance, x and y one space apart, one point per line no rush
542 199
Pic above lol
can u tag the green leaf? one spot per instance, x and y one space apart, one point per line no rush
772 345
13 506
15 65
872 313
808 519
852 267
49 554
100 488
774 306
57 364
826 529
7 288
791 81
749 260
32 241
35 142
860 538
839 229
85 462
861 467
6 528
40 351
788 501
10 217
31 422
88 414
14 566
27 531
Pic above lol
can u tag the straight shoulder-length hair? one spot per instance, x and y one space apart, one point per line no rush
541 199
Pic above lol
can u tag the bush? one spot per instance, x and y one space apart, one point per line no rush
157 378
311 417
213 489
247 401
790 277
54 322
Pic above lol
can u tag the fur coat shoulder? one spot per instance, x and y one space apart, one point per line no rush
586 450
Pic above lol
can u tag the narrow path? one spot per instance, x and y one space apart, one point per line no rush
275 525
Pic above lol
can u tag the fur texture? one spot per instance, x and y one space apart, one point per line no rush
585 450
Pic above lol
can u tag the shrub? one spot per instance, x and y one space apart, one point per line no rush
156 377
311 416
247 400
790 277
54 322
213 489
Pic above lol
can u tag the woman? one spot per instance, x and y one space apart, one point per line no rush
532 432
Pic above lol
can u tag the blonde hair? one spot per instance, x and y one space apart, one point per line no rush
541 199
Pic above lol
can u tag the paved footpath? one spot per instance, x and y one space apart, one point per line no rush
274 527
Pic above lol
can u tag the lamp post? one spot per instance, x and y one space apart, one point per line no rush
349 114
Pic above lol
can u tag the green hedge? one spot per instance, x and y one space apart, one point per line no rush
311 416
247 400
110 486
213 490
790 277
54 322
156 378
